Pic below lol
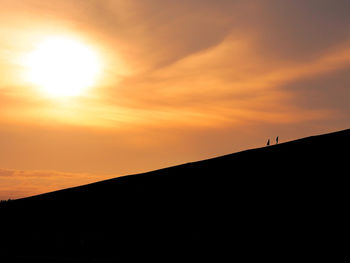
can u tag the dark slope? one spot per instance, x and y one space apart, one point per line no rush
285 201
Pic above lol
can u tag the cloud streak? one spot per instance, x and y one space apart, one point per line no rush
20 183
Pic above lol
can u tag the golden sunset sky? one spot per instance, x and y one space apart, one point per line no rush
172 82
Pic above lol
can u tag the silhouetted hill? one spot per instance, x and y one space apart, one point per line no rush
276 203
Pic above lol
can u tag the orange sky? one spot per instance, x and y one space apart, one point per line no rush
180 81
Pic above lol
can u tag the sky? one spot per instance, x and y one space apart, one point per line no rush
179 81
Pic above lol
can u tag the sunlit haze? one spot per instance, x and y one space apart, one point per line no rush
62 67
95 89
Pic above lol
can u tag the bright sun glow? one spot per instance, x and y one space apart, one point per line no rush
62 67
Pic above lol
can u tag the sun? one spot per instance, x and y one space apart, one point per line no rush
62 67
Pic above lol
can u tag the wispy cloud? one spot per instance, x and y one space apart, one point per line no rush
20 183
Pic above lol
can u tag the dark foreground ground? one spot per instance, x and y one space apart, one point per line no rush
286 202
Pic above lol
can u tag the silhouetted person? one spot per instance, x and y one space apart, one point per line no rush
277 140
268 142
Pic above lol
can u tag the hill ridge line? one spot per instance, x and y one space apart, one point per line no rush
235 154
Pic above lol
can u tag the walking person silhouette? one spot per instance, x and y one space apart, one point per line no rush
268 142
277 140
